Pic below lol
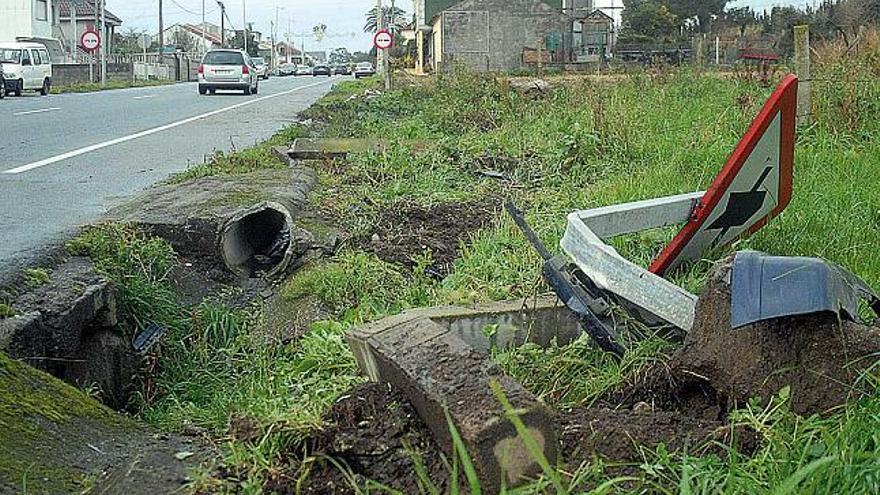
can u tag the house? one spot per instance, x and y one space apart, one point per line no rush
318 57
88 17
30 19
493 35
192 38
287 53
593 36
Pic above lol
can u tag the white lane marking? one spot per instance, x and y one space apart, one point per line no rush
148 132
143 97
30 112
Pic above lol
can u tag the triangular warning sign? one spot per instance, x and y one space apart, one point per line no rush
753 187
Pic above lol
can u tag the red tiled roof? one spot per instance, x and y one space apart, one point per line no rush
85 9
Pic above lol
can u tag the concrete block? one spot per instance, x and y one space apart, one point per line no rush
441 373
438 358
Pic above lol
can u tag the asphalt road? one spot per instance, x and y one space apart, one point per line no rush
64 158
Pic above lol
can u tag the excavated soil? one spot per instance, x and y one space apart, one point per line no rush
406 230
819 357
682 404
374 432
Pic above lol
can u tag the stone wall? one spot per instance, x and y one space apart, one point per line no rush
66 74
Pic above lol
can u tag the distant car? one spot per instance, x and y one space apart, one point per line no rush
228 69
286 70
322 70
26 66
303 70
342 70
364 69
262 67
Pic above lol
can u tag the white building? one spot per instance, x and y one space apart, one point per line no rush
195 38
26 19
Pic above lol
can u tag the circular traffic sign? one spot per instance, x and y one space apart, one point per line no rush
90 41
383 40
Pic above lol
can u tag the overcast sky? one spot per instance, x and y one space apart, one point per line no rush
344 18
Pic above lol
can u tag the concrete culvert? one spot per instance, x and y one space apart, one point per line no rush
244 224
257 241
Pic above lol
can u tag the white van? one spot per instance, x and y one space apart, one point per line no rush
26 67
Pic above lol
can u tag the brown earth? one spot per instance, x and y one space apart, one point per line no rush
375 433
404 231
683 404
818 356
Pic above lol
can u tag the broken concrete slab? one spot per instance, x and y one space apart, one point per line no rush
499 325
321 148
455 341
70 328
245 223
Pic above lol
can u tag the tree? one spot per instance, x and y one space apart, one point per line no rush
649 18
703 11
183 41
340 56
128 41
394 19
253 48
741 17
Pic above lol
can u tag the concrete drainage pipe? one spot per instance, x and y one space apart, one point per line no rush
257 241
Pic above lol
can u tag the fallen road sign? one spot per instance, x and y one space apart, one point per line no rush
753 187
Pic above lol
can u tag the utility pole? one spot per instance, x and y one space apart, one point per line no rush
74 39
104 42
222 24
204 39
390 26
161 33
380 24
245 28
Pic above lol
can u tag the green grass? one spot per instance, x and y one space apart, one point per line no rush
251 159
36 277
113 84
585 145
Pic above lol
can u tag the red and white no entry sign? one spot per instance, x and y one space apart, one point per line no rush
90 41
383 40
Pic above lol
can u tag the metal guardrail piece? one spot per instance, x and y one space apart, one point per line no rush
584 242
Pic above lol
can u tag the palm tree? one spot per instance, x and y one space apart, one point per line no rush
394 19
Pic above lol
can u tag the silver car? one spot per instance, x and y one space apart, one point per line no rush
262 67
228 69
364 69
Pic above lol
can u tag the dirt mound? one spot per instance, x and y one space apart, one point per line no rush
620 434
406 230
375 433
818 356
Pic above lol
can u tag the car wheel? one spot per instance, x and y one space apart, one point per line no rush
203 90
46 87
2 89
19 87
212 91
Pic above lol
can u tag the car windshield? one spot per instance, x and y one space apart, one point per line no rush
224 58
9 56
365 65
258 61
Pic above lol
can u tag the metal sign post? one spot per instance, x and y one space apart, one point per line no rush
383 41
